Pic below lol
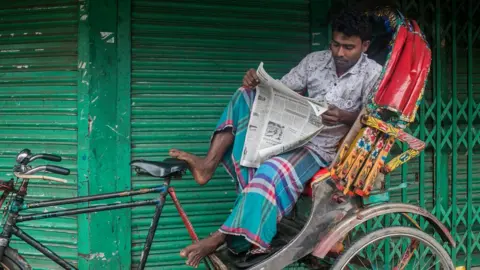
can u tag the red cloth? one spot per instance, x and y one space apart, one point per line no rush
403 82
307 191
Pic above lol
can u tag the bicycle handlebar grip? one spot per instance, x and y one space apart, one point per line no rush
57 170
51 157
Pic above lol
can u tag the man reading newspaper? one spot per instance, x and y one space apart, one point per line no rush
343 77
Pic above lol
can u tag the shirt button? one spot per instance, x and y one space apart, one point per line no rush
335 84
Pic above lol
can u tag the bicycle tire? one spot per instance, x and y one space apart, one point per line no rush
9 261
426 239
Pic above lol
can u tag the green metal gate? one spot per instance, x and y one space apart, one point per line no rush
188 59
445 178
450 122
38 107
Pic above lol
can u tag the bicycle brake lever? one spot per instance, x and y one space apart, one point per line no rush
24 156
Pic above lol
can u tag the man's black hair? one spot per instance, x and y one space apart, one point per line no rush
352 22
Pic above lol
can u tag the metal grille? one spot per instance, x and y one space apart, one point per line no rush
38 96
187 60
445 178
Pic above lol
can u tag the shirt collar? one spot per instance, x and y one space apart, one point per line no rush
330 64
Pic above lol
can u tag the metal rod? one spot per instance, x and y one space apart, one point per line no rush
151 232
438 112
422 135
43 249
3 197
84 210
470 137
454 126
94 197
35 170
217 263
6 234
183 215
386 249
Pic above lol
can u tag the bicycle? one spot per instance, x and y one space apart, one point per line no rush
168 170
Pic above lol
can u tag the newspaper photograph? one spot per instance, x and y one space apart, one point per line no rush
281 120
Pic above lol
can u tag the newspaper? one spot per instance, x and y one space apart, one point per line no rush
280 120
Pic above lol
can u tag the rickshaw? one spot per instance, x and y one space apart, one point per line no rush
352 192
337 200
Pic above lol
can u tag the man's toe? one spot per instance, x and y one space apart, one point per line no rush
186 251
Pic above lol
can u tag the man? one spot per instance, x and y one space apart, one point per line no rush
343 77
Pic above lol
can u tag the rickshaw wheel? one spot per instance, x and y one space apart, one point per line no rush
359 256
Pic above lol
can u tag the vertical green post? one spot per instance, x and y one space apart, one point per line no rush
404 177
422 133
123 114
470 135
319 26
388 221
422 120
330 31
404 169
454 127
441 183
83 102
404 147
104 130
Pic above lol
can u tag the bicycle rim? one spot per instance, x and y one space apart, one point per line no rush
412 254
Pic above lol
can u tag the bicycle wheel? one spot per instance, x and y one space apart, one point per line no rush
9 261
408 255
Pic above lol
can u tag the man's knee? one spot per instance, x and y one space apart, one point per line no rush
269 170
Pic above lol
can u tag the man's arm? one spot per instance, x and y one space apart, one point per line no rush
296 79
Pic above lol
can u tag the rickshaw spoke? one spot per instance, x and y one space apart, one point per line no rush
357 256
408 255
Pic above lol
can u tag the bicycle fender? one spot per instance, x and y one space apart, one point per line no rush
346 225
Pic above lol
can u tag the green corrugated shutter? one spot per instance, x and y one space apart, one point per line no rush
188 59
38 90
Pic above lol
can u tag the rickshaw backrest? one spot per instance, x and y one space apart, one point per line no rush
393 105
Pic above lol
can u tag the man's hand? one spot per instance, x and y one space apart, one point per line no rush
334 116
250 80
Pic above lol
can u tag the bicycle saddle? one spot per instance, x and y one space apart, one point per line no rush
161 169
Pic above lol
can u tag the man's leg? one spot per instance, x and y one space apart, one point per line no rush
228 138
269 196
226 146
203 168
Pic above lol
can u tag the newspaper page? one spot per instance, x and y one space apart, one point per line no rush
280 120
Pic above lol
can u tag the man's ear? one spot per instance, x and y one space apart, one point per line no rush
365 45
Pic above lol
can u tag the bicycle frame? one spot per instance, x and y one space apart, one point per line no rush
17 205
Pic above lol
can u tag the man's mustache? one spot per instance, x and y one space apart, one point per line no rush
342 61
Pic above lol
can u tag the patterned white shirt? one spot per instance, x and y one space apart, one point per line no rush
317 74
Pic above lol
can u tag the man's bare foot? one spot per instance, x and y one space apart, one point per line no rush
197 251
202 172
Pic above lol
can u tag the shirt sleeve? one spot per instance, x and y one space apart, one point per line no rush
296 79
371 81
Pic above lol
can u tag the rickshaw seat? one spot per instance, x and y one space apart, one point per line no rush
307 191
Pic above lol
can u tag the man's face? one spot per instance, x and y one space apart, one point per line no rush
347 50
